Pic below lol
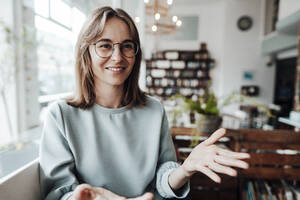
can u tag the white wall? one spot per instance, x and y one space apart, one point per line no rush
287 7
242 50
234 51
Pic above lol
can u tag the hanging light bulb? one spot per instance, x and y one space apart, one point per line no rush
146 1
154 28
174 18
157 16
137 19
169 2
179 23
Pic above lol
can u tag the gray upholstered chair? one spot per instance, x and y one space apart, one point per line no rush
22 184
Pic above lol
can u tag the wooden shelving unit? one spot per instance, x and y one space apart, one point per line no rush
179 72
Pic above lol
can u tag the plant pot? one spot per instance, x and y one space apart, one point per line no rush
207 123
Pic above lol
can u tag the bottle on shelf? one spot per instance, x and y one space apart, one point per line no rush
203 51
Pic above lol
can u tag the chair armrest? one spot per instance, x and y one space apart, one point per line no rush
22 184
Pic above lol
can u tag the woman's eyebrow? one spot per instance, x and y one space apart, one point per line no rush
109 40
104 40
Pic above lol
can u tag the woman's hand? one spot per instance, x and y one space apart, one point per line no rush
87 192
209 158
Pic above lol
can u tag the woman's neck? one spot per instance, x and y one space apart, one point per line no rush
109 97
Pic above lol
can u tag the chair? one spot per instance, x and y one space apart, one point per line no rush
22 184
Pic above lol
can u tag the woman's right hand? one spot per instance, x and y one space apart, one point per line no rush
87 192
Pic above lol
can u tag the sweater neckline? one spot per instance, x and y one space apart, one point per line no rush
110 110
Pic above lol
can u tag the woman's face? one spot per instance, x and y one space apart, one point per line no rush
115 69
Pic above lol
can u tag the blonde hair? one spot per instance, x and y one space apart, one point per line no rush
84 96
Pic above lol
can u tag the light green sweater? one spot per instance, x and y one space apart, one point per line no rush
128 151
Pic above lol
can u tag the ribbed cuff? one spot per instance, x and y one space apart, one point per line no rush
162 183
66 196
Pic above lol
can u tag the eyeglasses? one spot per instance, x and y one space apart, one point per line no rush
105 48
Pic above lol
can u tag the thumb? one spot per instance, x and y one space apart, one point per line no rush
84 192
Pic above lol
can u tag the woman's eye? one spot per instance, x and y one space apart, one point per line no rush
105 46
128 46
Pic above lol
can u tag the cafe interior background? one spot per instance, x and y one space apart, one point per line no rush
244 52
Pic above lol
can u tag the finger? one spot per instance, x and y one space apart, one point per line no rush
214 137
223 160
232 154
222 169
84 192
146 196
212 175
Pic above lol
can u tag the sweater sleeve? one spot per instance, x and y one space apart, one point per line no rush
57 177
167 163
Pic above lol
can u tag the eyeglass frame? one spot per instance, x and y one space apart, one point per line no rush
113 48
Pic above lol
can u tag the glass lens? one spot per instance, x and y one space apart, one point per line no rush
128 49
104 48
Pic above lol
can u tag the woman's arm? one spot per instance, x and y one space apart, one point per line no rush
57 165
208 159
167 164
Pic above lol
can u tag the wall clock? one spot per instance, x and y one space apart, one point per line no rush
244 23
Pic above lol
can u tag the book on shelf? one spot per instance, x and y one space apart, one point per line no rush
259 189
296 192
287 190
187 55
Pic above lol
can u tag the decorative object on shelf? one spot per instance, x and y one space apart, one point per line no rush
250 90
158 20
179 72
244 23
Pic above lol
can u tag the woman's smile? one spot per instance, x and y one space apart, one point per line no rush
116 70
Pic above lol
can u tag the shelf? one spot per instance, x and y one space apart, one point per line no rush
284 38
183 78
289 25
176 87
289 122
174 69
276 42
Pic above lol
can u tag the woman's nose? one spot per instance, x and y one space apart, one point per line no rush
116 55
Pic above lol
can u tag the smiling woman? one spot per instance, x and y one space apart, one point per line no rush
110 140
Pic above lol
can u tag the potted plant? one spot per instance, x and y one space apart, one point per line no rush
205 111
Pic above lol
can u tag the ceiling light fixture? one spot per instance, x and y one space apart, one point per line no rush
158 20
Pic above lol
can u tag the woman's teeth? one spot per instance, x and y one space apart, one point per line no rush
115 69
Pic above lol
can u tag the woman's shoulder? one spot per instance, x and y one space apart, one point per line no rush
60 106
154 103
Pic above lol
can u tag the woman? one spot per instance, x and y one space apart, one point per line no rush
111 141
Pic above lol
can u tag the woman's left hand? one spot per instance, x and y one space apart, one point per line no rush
209 159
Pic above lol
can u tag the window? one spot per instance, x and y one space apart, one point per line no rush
57 25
